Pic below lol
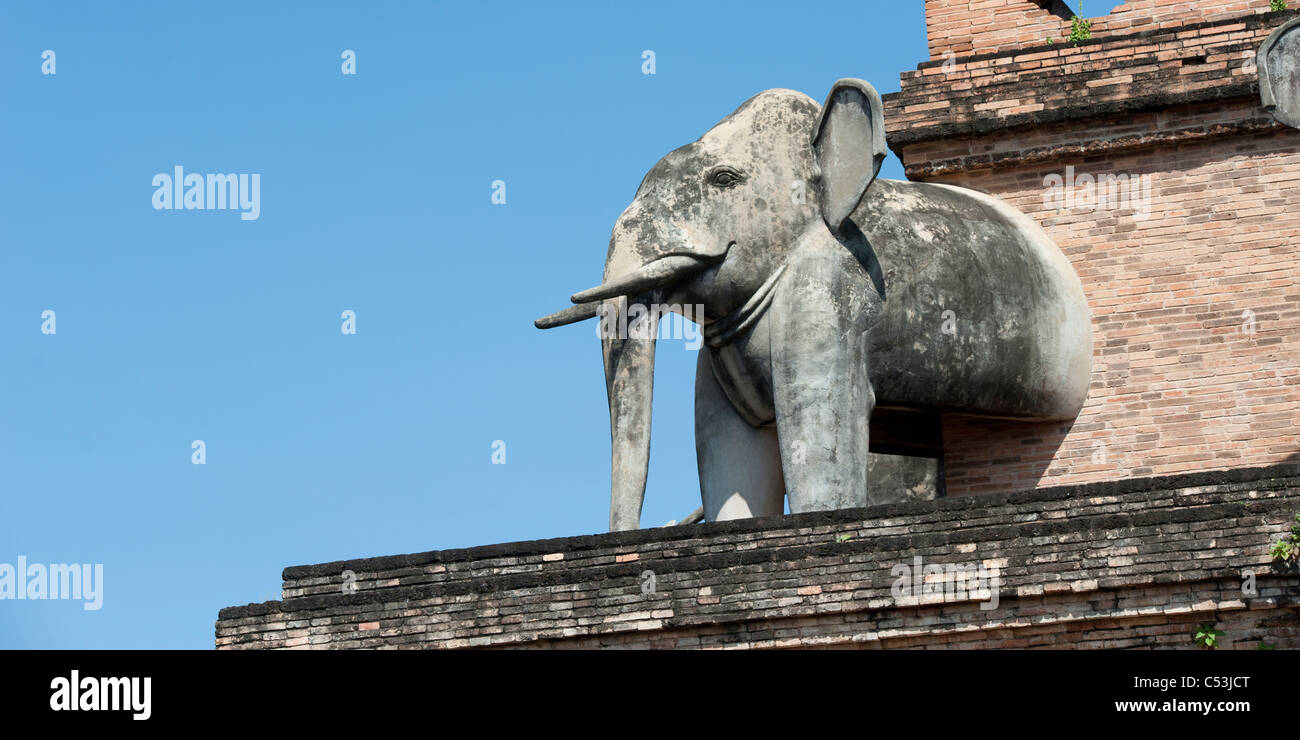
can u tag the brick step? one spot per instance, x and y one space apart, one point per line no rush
1079 545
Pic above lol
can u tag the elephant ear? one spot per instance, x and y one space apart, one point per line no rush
849 143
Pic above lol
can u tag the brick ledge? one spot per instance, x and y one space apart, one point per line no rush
665 534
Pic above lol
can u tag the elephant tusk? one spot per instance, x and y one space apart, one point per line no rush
657 273
570 315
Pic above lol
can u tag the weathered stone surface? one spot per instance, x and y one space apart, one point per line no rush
1136 563
898 478
1279 73
826 293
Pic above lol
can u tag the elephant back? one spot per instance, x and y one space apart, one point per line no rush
983 314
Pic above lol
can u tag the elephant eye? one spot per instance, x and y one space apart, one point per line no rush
725 177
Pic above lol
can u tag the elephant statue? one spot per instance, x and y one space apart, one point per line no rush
826 294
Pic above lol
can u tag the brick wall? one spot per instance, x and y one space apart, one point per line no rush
962 27
1136 563
975 26
1194 290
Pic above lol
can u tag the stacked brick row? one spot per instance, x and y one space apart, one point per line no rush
965 27
1132 563
972 106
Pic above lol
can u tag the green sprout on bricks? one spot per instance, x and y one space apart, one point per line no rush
1207 636
1277 5
1287 549
1080 27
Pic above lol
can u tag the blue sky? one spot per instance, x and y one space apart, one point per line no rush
375 197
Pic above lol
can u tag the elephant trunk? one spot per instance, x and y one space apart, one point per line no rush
639 273
629 380
629 325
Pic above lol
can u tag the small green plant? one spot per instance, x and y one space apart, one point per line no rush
844 538
1080 27
1080 30
1265 646
1287 549
1051 40
1277 4
1283 550
1207 636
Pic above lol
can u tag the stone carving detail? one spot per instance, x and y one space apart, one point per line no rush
826 293
1278 63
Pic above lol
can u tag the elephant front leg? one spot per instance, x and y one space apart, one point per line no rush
740 465
821 386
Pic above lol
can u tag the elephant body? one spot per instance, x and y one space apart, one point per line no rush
827 294
1017 343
